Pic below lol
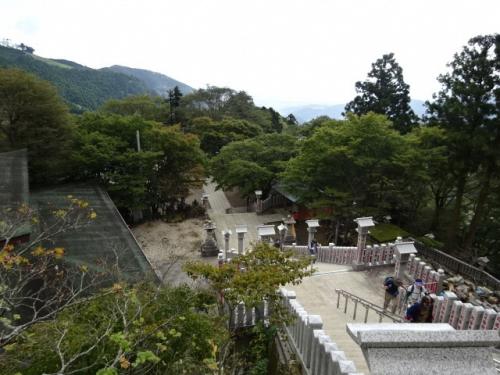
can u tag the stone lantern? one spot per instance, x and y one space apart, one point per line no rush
209 247
312 228
364 224
402 251
266 233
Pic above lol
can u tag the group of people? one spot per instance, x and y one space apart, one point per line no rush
417 299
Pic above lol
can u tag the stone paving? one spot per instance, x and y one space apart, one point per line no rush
217 212
316 293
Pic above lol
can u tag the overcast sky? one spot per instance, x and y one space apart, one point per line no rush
280 52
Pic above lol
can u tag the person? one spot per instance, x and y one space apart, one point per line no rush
420 312
313 249
391 287
415 292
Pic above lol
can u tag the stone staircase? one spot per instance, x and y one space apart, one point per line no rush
317 295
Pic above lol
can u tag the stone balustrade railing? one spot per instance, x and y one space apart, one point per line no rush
242 316
376 255
418 269
316 350
457 266
463 316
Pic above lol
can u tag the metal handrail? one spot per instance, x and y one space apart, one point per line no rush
367 305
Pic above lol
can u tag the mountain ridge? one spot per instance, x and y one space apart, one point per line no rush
305 113
158 82
85 88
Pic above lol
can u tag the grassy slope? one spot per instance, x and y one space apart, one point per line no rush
83 88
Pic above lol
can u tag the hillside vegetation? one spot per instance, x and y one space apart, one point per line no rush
156 82
81 87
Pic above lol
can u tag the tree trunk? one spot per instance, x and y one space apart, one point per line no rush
480 210
457 212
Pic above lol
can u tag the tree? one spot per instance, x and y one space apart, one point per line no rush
253 164
124 329
251 279
276 121
147 107
467 108
35 283
291 120
33 116
221 102
359 166
385 92
161 174
174 101
216 134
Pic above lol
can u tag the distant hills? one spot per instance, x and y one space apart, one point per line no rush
157 82
84 88
306 113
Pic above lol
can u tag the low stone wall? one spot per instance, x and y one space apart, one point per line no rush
316 350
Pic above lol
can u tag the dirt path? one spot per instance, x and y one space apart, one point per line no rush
169 245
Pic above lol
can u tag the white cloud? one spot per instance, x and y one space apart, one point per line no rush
307 51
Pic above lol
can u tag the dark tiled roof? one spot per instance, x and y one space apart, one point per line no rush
105 239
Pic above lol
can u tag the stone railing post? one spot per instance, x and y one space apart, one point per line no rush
476 317
463 320
488 319
290 236
455 313
364 224
313 322
240 231
446 306
226 234
258 203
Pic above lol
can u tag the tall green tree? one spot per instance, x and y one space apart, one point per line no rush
467 108
253 164
221 102
33 116
148 107
385 92
168 165
174 101
359 166
216 134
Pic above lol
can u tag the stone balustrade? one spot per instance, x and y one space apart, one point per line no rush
417 269
316 350
462 316
377 255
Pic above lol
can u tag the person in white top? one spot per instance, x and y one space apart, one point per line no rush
415 292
